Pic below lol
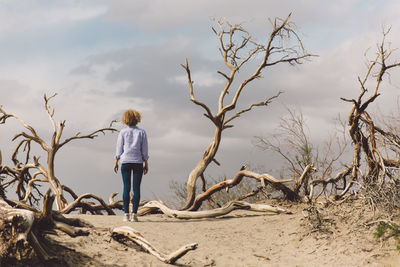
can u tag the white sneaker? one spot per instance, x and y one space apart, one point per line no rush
134 218
126 217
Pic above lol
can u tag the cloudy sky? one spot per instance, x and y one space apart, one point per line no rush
102 57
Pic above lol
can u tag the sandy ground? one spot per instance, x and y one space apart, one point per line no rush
242 238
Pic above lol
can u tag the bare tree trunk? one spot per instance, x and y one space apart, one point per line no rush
55 184
201 166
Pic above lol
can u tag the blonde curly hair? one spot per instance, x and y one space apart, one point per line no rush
131 117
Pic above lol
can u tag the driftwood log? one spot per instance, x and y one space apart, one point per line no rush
126 232
154 205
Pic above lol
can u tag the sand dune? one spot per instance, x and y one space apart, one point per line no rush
242 238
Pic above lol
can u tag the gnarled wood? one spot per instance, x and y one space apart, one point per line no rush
77 202
151 206
24 229
361 127
137 238
263 178
21 221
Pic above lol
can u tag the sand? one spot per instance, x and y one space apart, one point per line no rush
241 238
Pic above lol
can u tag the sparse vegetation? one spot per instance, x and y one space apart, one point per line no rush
387 230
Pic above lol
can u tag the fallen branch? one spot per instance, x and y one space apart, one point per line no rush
151 206
78 203
263 178
137 238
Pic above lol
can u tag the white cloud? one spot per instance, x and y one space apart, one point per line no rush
160 15
21 16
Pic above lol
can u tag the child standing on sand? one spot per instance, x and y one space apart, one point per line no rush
132 151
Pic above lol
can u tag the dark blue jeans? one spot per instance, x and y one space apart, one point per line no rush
127 169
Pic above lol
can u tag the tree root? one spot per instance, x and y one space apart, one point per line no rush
24 230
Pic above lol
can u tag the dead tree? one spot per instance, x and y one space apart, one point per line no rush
237 48
363 133
43 173
362 129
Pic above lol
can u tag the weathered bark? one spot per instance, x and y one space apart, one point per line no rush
235 55
21 221
201 166
24 230
127 232
55 184
151 206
